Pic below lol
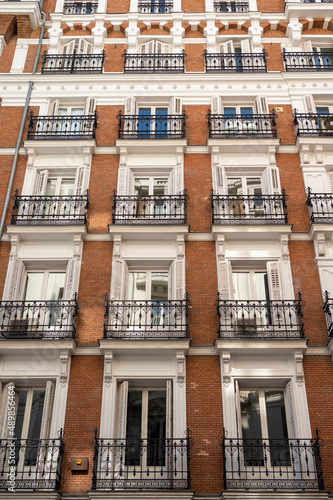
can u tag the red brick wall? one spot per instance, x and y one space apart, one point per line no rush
195 60
193 5
30 59
115 6
4 256
8 26
271 6
5 166
11 117
274 57
6 58
284 122
114 61
107 129
196 124
198 182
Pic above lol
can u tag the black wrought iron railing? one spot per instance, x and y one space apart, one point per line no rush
278 464
151 127
62 127
244 125
260 318
142 464
34 464
320 207
154 63
235 63
50 210
154 209
72 63
328 310
40 319
140 319
308 61
249 209
77 8
320 1
231 6
155 7
313 124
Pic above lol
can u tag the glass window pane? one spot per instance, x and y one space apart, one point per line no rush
156 428
51 187
21 399
160 187
234 186
137 286
33 286
246 111
159 286
253 186
36 414
62 111
67 187
141 187
261 286
242 288
277 428
55 286
133 431
251 427
77 111
229 111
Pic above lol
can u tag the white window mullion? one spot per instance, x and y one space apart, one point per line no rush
47 411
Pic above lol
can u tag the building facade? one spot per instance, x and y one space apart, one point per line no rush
166 251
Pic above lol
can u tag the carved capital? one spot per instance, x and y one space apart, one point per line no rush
299 368
321 244
294 32
220 247
14 243
77 246
180 246
180 368
64 360
108 369
122 157
304 153
226 368
319 154
116 246
285 247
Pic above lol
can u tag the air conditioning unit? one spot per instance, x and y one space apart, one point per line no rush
17 326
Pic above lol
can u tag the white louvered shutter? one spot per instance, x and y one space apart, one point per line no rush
261 105
216 105
227 47
84 47
47 411
69 47
79 186
290 405
307 46
148 47
175 106
121 425
238 411
271 181
330 177
130 181
4 410
41 183
179 179
171 183
130 106
90 106
245 46
274 281
221 180
119 279
179 279
226 287
171 280
122 181
309 104
14 280
168 430
70 288
122 410
55 107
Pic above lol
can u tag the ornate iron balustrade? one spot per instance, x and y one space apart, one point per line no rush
328 309
142 463
62 127
151 127
141 319
320 207
314 1
241 126
155 209
308 61
231 6
260 318
155 7
154 63
313 124
36 463
50 210
235 63
272 463
72 63
38 319
249 209
77 8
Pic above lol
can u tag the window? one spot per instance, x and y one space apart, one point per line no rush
248 186
152 286
322 56
233 54
78 46
60 182
155 47
153 120
46 285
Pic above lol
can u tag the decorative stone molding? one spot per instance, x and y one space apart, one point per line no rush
77 246
132 33
64 360
108 358
210 32
220 247
321 244
299 368
14 243
178 32
2 43
256 31
122 157
294 32
99 33
304 153
180 246
285 247
180 368
116 246
319 154
226 368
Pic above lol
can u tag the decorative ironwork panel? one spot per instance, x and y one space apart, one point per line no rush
155 7
249 209
50 210
155 209
47 319
241 126
260 318
151 127
77 8
320 207
313 124
231 6
36 463
154 63
72 63
235 63
308 61
142 463
62 127
140 319
272 463
328 309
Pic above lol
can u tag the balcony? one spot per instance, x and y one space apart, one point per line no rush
72 64
146 319
235 63
154 63
142 464
231 7
320 207
313 124
260 319
155 7
42 319
155 209
80 8
245 126
151 127
249 209
37 464
62 127
50 210
328 310
308 61
277 464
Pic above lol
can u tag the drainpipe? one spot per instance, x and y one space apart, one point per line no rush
23 121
